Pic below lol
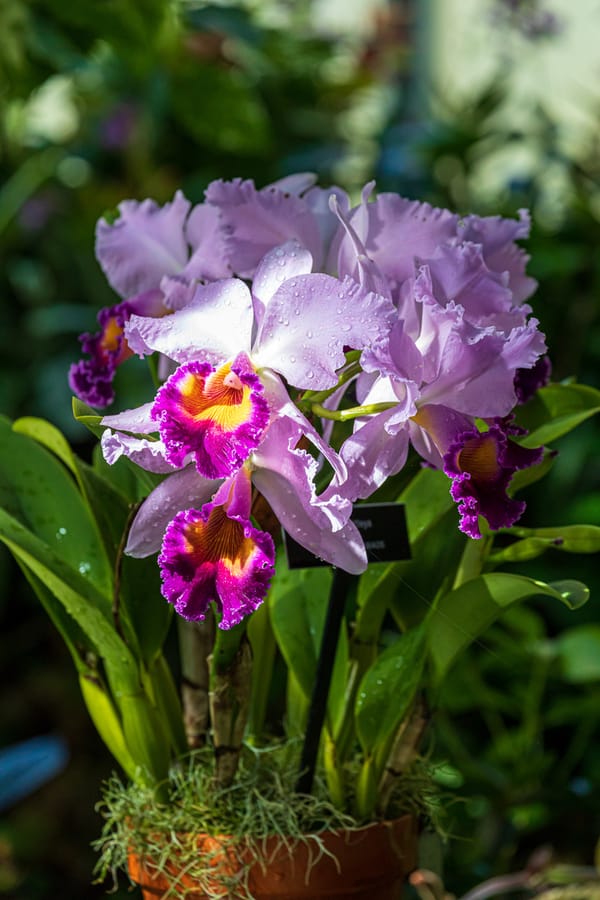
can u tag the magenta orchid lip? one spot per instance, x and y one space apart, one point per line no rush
217 416
209 555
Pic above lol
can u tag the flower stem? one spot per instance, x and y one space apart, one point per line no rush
312 397
353 412
196 641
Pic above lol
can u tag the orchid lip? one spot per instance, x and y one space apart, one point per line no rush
216 555
217 415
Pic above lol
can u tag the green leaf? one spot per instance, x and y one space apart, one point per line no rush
86 531
50 437
298 606
463 615
88 417
579 653
166 697
78 644
366 789
290 618
427 499
386 693
146 611
262 641
36 489
567 538
125 477
80 598
555 410
106 721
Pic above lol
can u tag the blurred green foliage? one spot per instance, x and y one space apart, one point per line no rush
100 101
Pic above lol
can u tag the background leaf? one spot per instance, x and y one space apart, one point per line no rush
463 615
555 410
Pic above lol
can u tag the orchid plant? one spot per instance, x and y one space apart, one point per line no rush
309 358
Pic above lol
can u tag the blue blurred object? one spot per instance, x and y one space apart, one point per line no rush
27 766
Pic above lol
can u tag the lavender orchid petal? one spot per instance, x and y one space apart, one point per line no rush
320 316
282 407
136 421
394 231
284 476
255 221
318 201
148 455
296 184
367 272
497 236
180 490
197 332
373 454
146 242
278 265
203 232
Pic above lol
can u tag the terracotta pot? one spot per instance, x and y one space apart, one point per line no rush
369 863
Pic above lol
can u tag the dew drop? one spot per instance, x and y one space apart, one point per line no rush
309 334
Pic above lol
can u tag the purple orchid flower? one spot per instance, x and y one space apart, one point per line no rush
254 221
209 550
447 361
395 231
145 245
226 409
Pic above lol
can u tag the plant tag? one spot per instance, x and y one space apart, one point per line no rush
382 527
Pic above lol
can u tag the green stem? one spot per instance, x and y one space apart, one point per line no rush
196 640
311 397
346 415
229 705
472 560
